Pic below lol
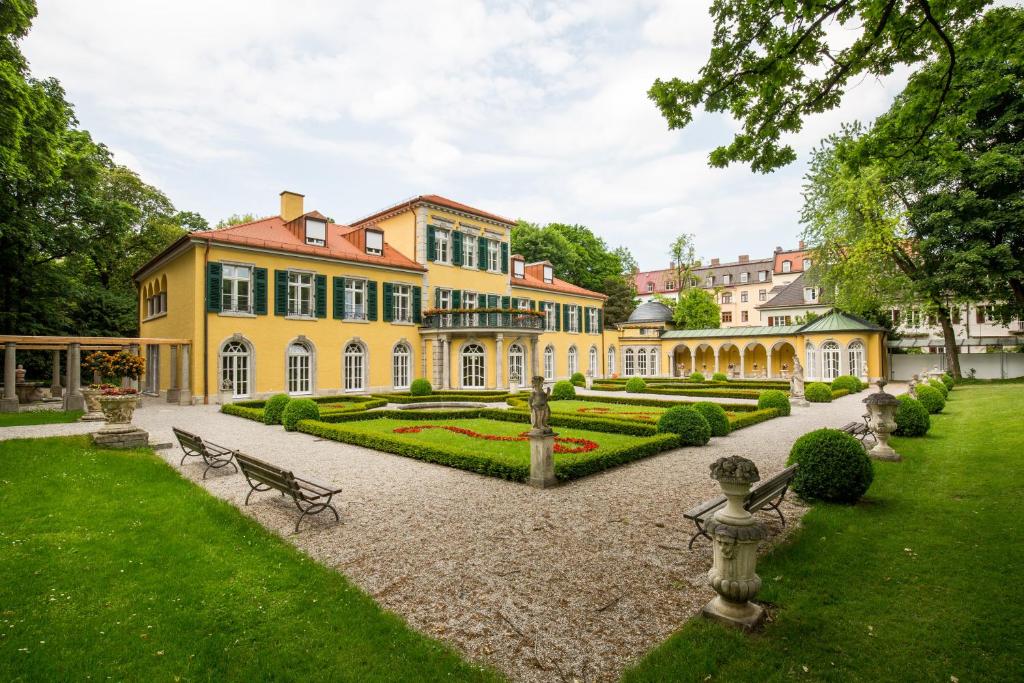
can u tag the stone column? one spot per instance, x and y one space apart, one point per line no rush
446 350
136 384
533 357
671 363
9 403
716 361
185 392
56 390
173 392
73 396
423 357
499 361
743 367
768 362
735 535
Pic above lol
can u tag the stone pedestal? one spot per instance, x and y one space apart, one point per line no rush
121 436
542 459
93 412
882 409
798 401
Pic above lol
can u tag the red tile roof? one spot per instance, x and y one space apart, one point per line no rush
796 257
437 200
556 285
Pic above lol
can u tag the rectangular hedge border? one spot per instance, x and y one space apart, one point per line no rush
716 393
837 393
446 397
654 402
242 410
753 418
254 410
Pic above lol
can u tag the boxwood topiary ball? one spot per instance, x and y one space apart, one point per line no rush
274 408
720 377
635 385
696 377
716 417
930 398
420 387
848 382
299 409
939 386
774 398
911 417
692 428
818 392
947 379
831 466
562 391
578 379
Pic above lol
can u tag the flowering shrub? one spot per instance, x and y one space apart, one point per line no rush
511 311
113 368
582 445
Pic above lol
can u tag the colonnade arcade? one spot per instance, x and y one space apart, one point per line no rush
737 358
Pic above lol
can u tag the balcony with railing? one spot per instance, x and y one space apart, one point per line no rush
483 319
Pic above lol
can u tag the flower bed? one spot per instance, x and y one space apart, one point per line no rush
329 406
582 445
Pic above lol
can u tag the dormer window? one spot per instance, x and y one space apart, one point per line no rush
787 266
549 274
727 279
518 269
807 264
744 277
374 242
810 294
316 232
711 281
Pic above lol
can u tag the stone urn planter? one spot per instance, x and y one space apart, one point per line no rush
119 432
93 411
118 409
882 409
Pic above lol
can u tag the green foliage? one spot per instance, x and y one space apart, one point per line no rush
715 416
832 467
696 377
240 410
687 423
696 309
947 379
420 387
299 409
930 398
939 386
818 392
273 411
237 219
636 385
703 392
451 396
911 417
773 398
850 383
752 417
622 299
563 390
720 377
578 379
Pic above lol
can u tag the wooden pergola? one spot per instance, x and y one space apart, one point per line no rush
73 399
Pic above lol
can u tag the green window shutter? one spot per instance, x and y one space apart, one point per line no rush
506 302
492 302
437 297
339 298
430 243
481 252
280 292
558 317
456 248
533 304
504 257
371 300
389 302
320 287
260 290
417 311
456 298
586 320
600 320
214 272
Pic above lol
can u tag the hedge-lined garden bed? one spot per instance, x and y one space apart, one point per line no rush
329 405
445 397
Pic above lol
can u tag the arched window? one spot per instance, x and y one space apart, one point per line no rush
549 363
298 371
809 361
629 363
516 366
473 367
855 352
652 359
594 370
236 365
611 360
641 362
355 367
574 363
400 361
830 360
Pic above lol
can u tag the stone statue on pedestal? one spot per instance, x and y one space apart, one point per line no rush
540 411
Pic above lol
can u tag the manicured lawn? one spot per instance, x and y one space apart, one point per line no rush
598 409
114 567
917 582
38 417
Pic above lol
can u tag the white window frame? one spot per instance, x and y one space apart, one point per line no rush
401 365
592 360
592 315
355 289
518 269
611 359
744 297
549 274
550 321
641 363
650 286
469 250
810 294
354 366
574 361
299 369
855 358
473 366
316 241
830 360
787 266
628 363
295 288
471 319
516 365
375 251
762 295
442 245
574 318
652 357
401 303
762 276
727 279
236 364
494 256
231 276
549 363
744 278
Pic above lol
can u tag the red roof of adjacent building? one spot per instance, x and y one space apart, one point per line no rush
795 257
533 277
437 200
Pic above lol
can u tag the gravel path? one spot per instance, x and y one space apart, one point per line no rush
573 582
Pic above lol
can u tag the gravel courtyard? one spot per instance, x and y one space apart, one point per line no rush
562 584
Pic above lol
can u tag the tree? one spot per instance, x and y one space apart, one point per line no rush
629 265
694 309
236 219
621 299
684 258
773 63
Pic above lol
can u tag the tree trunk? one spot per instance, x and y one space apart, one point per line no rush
949 338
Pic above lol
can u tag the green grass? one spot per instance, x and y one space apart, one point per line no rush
115 567
38 417
617 410
917 582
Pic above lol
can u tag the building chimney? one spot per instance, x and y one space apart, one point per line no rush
801 244
291 205
715 261
744 258
778 250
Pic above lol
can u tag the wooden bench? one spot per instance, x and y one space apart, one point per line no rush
213 455
861 430
309 497
768 494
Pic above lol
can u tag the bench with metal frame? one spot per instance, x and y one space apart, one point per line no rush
213 455
861 430
768 495
310 498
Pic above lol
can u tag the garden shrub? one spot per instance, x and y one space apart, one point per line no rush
563 391
719 377
818 392
274 408
635 385
239 410
948 380
939 386
848 382
299 409
578 379
420 387
911 417
773 398
692 428
831 466
930 398
696 377
752 418
716 417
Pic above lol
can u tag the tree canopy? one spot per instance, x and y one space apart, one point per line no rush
694 309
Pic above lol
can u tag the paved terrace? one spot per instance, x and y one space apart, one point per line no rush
573 582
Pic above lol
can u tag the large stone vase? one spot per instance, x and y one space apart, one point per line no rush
93 410
118 410
119 432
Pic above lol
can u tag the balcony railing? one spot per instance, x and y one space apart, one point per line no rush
486 319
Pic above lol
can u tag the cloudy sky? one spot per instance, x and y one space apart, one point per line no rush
534 110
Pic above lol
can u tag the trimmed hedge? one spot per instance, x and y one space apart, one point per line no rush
518 402
563 391
636 385
720 377
775 399
299 409
930 398
753 418
911 417
361 406
848 382
715 416
696 377
576 465
688 424
239 410
274 408
578 379
940 387
446 397
420 387
717 393
818 392
839 393
948 380
832 466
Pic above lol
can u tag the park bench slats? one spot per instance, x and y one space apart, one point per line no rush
768 495
861 430
213 455
309 497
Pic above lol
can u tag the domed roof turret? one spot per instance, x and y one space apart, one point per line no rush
651 312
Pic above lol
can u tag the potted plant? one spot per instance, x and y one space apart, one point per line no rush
117 402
